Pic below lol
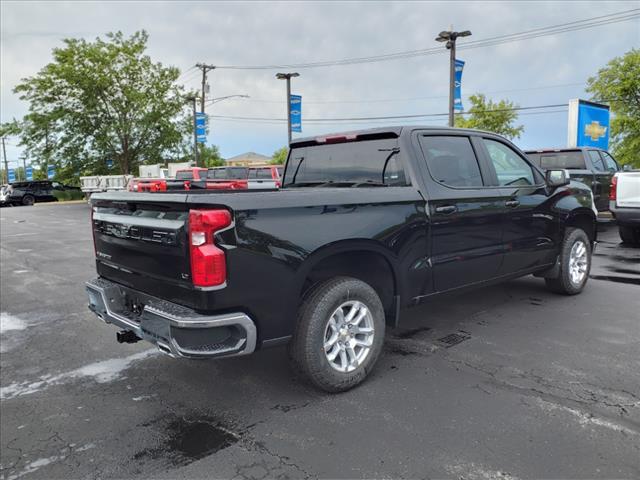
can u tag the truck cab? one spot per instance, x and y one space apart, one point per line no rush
592 166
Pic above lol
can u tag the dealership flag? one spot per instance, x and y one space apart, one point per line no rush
457 96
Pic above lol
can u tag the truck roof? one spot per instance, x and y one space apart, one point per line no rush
562 149
380 132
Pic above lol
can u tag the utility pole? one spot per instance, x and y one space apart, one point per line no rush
6 163
205 68
450 37
287 77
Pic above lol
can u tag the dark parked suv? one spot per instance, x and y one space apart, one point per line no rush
28 193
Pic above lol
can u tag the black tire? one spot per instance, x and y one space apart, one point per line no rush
306 348
563 283
629 235
28 200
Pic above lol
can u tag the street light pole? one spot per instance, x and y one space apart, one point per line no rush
287 77
6 163
450 37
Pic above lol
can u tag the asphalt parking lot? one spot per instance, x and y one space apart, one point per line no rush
509 381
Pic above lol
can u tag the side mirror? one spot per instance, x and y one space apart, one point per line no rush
557 178
626 168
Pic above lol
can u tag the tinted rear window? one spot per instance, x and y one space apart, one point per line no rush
549 160
228 173
367 161
184 175
260 173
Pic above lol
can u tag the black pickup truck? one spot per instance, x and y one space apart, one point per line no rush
366 224
592 166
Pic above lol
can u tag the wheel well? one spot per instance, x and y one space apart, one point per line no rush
584 222
370 267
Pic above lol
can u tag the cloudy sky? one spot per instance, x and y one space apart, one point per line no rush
545 70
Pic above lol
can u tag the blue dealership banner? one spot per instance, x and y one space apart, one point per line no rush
29 172
109 163
201 127
11 175
51 171
295 107
457 92
588 124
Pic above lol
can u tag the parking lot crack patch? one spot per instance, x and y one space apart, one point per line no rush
283 460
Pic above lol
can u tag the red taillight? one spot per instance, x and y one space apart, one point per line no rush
613 193
208 263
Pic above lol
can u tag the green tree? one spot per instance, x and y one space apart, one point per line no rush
210 156
485 114
8 130
279 156
618 84
103 100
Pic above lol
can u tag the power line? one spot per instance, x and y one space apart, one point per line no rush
490 41
433 97
390 117
395 122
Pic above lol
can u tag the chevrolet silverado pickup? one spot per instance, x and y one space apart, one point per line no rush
624 200
592 166
365 225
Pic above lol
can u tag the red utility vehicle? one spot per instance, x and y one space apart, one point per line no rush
266 177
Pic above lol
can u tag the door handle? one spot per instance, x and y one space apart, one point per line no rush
512 203
447 209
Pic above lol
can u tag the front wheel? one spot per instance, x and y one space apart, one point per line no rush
575 263
339 334
28 200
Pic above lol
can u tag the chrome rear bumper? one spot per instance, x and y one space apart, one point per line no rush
176 330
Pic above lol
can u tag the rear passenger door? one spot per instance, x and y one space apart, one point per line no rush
530 232
465 213
601 180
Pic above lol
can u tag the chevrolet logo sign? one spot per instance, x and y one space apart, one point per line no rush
595 131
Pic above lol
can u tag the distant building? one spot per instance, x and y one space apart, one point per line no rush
249 159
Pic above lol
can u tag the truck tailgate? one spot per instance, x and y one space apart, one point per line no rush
628 190
139 240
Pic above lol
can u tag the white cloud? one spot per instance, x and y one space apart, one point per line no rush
183 33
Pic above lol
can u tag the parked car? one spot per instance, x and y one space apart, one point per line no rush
265 177
225 178
624 200
591 166
28 193
365 225
186 177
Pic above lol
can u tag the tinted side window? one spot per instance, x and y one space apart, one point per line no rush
253 173
451 160
184 175
534 158
237 173
510 167
611 163
596 160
